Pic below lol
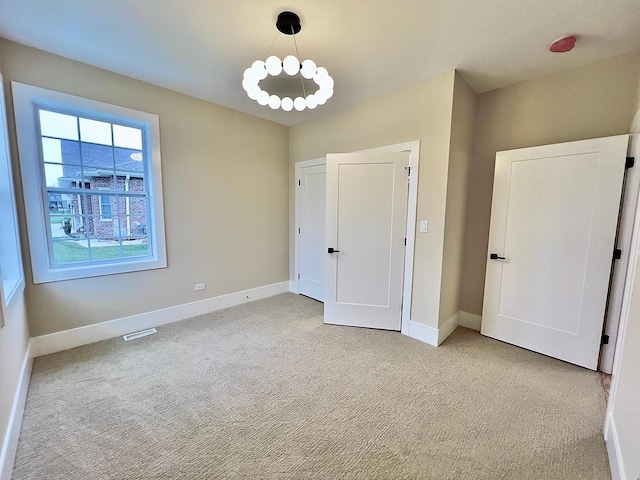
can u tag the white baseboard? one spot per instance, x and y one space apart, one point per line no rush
448 327
76 337
435 336
293 286
470 320
10 444
423 333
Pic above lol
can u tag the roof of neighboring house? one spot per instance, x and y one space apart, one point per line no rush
99 160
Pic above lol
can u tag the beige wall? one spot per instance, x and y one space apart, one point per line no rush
592 101
419 112
225 180
462 126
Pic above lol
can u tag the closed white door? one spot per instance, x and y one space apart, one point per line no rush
553 228
365 235
311 251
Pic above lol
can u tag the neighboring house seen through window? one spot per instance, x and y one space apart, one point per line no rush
98 169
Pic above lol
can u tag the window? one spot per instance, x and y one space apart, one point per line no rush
11 272
105 208
92 185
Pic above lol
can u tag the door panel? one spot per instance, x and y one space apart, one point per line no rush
311 237
554 218
365 221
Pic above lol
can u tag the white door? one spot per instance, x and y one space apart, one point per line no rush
311 251
365 228
553 228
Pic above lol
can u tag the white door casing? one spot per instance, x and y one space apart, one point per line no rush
366 214
619 275
553 218
311 252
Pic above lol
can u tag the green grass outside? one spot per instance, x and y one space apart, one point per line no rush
68 252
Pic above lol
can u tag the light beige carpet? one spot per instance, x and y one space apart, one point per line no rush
265 390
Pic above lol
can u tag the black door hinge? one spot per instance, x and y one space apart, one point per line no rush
299 184
617 254
631 161
408 169
405 242
605 339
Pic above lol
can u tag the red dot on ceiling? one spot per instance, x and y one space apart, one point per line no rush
563 44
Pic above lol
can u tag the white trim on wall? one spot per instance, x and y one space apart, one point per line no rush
10 443
623 242
470 320
424 333
610 432
448 328
298 168
435 336
59 341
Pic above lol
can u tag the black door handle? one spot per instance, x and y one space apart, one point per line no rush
495 256
331 250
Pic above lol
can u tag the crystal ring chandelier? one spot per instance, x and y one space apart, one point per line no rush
289 24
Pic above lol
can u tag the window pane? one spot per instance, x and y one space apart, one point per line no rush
133 212
139 226
135 248
135 243
59 203
104 241
52 150
105 227
65 215
129 162
97 158
101 250
69 251
132 182
58 125
54 175
127 137
133 226
95 132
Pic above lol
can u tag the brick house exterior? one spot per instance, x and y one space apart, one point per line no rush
114 171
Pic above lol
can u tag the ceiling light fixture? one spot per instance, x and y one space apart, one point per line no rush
289 24
563 44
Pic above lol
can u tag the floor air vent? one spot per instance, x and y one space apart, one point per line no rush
142 333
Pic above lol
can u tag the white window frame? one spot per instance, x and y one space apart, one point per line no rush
27 99
10 287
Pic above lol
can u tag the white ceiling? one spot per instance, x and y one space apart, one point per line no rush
201 47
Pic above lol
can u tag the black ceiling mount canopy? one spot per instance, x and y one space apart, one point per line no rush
288 23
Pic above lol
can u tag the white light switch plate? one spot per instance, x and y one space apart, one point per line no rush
423 226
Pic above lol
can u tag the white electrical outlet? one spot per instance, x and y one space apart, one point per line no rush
200 286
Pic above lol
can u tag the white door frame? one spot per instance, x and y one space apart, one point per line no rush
413 148
630 278
623 242
298 170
